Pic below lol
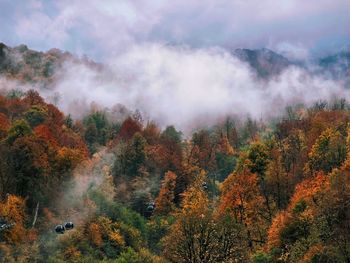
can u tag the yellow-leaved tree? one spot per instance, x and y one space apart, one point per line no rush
165 199
199 235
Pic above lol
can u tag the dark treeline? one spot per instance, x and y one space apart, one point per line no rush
249 191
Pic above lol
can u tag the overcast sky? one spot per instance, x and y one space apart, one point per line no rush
172 59
97 28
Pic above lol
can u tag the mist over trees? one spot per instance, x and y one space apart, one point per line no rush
242 189
234 192
187 131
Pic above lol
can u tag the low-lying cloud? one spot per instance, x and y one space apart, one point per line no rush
187 87
171 59
182 86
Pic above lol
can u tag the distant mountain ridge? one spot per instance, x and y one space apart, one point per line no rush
337 66
32 66
267 63
264 61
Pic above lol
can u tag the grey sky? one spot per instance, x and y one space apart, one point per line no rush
99 28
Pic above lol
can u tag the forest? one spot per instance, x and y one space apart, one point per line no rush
187 131
239 191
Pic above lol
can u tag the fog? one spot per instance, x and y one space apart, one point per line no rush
187 87
172 61
180 85
91 175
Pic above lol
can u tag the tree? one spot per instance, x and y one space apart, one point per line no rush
329 151
295 231
171 134
135 154
131 157
205 151
44 132
19 129
170 141
97 128
7 180
197 235
30 159
261 258
32 97
55 118
278 184
129 128
35 115
67 159
151 133
128 256
15 108
241 199
91 137
68 121
249 130
293 151
333 216
257 161
4 125
225 157
12 210
165 199
258 157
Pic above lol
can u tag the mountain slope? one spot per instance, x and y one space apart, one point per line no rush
35 67
336 66
265 62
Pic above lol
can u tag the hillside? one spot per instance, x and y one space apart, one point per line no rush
265 62
240 190
337 66
29 66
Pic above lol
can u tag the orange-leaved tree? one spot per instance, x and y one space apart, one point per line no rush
242 200
165 199
198 235
12 211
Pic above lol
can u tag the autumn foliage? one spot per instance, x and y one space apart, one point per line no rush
236 192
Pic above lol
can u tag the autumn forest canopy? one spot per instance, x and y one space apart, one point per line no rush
184 132
237 191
